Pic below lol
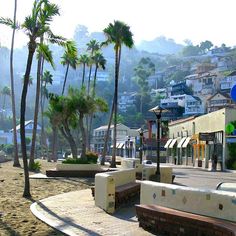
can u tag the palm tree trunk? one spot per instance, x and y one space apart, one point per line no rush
83 133
16 162
42 97
91 116
117 65
64 84
90 72
32 47
104 151
36 111
83 75
54 143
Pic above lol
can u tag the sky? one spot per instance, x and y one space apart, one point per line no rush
197 20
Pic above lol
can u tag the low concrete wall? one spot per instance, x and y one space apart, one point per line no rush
219 204
78 167
105 184
165 172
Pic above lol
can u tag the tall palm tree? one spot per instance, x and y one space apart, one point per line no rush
99 62
43 51
69 59
35 25
46 79
92 47
16 162
118 33
84 60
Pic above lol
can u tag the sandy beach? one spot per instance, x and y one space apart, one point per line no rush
15 215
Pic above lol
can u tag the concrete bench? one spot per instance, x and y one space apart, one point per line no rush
167 221
115 188
212 203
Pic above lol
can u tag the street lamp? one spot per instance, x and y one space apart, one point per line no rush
141 145
128 145
158 111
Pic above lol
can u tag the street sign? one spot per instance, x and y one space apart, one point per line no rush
233 93
207 136
231 140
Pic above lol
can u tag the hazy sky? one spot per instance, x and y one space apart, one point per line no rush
197 20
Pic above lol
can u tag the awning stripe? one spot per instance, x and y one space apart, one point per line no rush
186 142
168 143
181 142
173 143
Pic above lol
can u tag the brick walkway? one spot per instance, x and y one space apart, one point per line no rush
75 213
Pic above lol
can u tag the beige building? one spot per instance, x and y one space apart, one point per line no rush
192 141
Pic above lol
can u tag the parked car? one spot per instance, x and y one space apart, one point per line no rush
147 162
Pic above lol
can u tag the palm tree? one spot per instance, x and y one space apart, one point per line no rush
84 60
35 25
118 33
69 59
92 46
99 62
43 51
6 91
46 79
16 162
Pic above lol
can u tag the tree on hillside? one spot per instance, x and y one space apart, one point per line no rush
206 46
191 50
118 33
144 69
69 59
35 25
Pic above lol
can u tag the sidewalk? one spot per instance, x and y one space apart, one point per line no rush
75 213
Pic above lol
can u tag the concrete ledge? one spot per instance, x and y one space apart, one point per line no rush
93 167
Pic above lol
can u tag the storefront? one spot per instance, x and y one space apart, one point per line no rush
194 140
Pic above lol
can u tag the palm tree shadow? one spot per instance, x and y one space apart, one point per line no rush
65 221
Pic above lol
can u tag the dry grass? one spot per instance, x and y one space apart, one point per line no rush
15 215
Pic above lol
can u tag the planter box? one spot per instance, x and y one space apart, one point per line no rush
79 167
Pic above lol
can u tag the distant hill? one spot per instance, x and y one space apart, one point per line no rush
160 45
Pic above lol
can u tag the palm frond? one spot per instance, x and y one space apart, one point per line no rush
9 22
44 50
55 39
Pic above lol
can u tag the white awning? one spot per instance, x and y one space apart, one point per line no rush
168 143
172 143
186 142
181 142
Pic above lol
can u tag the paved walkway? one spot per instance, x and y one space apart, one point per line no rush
75 213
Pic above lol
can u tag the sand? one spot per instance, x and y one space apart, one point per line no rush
15 215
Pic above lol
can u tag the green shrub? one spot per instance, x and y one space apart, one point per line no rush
8 149
92 157
75 161
36 166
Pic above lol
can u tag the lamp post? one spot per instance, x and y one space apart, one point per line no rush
128 145
141 145
158 111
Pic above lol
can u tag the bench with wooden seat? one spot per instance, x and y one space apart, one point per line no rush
113 189
167 221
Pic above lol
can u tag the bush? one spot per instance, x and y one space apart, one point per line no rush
231 161
8 149
92 157
36 166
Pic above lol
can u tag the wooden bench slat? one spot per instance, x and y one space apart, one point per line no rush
166 220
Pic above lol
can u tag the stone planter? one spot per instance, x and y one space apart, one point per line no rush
78 167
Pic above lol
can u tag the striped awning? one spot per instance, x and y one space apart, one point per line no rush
168 143
172 143
181 142
186 142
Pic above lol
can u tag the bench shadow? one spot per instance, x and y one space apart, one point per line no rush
65 221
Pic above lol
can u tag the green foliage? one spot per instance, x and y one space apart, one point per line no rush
231 161
27 140
91 159
8 148
229 128
36 166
